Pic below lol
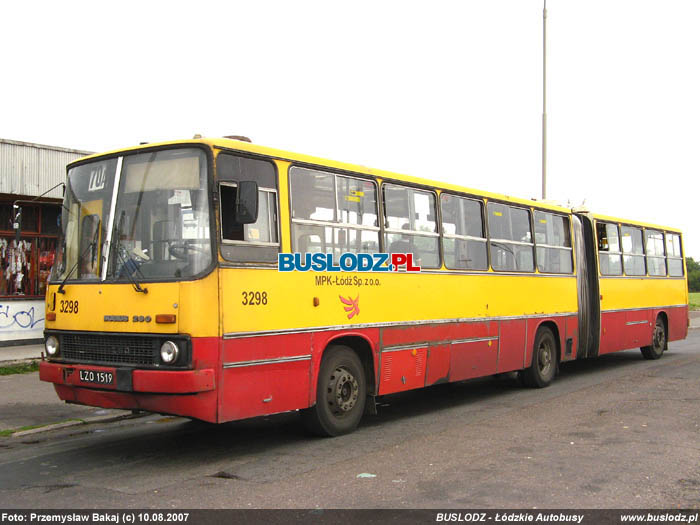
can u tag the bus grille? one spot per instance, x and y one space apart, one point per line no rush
110 349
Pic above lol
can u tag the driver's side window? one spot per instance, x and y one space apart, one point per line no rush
263 231
259 241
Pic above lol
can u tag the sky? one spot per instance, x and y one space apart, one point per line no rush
446 90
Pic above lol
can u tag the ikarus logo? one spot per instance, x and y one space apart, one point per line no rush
347 262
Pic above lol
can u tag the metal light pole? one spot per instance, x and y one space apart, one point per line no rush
544 101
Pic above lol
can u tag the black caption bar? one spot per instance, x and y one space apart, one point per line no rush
347 516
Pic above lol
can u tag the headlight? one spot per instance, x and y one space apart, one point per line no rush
169 352
51 345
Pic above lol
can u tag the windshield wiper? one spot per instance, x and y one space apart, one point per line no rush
126 268
93 245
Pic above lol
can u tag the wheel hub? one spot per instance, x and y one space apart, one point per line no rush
545 358
343 391
659 337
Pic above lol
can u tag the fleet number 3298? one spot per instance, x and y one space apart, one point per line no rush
69 307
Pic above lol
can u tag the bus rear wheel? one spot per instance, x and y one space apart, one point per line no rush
544 360
341 394
658 344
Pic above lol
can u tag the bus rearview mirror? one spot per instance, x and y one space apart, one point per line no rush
246 207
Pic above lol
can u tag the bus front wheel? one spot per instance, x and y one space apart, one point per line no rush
544 360
658 344
341 393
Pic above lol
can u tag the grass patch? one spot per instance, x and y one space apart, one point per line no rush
10 431
694 300
23 368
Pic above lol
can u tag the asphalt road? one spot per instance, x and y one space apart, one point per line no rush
616 432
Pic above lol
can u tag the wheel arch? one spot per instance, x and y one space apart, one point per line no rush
664 317
362 346
554 328
330 412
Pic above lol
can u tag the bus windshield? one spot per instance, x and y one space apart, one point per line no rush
156 229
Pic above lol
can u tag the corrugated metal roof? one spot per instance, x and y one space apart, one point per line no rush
31 169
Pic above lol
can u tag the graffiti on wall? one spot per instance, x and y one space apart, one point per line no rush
19 316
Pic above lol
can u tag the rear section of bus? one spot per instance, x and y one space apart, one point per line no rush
643 286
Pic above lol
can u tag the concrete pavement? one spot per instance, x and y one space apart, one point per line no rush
25 401
20 353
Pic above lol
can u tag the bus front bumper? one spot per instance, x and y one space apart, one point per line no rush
128 380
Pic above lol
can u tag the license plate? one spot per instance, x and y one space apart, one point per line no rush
93 376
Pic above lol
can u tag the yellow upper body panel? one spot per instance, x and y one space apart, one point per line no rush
111 307
315 299
622 293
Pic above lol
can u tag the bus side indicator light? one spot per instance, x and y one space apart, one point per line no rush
165 318
50 316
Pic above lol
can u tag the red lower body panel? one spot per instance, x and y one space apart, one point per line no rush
438 368
403 369
678 323
260 389
471 359
267 374
625 329
512 345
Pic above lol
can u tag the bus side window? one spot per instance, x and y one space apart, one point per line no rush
464 237
553 239
511 241
674 254
340 210
230 230
656 262
633 250
262 231
410 225
259 241
609 254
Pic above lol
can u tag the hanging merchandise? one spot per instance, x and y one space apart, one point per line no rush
26 262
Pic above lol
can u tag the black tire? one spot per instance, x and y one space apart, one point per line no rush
658 343
341 393
544 360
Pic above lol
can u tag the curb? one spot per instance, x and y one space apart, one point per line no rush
12 362
46 428
76 422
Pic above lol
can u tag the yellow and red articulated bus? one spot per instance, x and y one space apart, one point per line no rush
220 280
